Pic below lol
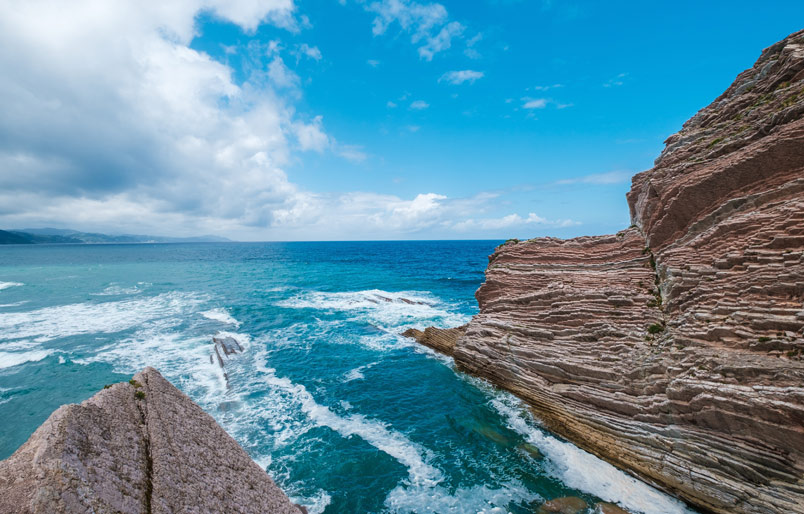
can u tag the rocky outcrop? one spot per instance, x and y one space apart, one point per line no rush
136 447
673 349
439 339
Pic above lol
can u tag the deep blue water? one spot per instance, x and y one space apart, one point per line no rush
346 415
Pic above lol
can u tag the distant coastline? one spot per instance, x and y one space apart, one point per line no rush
66 236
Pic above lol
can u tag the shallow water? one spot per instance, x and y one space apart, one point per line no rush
345 414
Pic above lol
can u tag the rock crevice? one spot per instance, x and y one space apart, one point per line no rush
136 447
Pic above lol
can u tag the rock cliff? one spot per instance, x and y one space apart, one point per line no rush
136 447
673 349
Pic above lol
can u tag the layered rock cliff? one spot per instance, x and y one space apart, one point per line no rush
673 349
136 447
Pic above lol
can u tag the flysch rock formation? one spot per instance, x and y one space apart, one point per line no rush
136 447
222 347
439 339
673 349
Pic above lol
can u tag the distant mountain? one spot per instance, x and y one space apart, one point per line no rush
67 236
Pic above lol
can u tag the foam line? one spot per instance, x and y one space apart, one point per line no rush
11 359
388 310
6 285
376 433
583 471
88 318
222 316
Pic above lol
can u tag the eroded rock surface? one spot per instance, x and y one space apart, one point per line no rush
439 339
673 349
137 447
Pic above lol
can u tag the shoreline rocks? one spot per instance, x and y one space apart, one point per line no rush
674 349
136 447
442 340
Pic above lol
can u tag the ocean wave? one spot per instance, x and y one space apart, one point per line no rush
583 471
117 290
6 285
181 358
88 318
15 304
11 359
374 432
479 499
389 310
220 315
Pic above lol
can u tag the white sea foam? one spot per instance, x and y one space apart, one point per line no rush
220 315
387 309
115 289
88 318
478 499
582 470
10 359
357 373
315 504
15 304
6 285
183 359
374 432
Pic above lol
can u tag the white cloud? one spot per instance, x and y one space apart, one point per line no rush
428 24
373 63
352 153
281 75
610 177
441 41
390 104
534 103
461 76
110 121
511 221
311 136
419 105
309 51
546 88
470 51
617 81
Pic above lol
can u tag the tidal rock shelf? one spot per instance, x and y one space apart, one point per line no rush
673 349
136 447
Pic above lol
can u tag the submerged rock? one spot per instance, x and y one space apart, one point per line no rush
565 505
673 349
136 447
609 508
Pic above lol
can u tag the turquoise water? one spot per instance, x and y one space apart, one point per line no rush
345 414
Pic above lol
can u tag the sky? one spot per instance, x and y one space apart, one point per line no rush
266 120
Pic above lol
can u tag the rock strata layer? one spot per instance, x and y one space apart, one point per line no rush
137 447
673 349
439 339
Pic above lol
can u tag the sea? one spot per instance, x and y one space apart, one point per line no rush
345 414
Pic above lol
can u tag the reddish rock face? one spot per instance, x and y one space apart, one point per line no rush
674 348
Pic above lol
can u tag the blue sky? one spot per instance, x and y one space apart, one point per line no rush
327 119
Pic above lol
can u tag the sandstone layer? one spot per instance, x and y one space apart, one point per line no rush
136 447
439 339
673 349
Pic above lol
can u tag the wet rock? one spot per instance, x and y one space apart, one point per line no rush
132 448
565 505
531 450
609 508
